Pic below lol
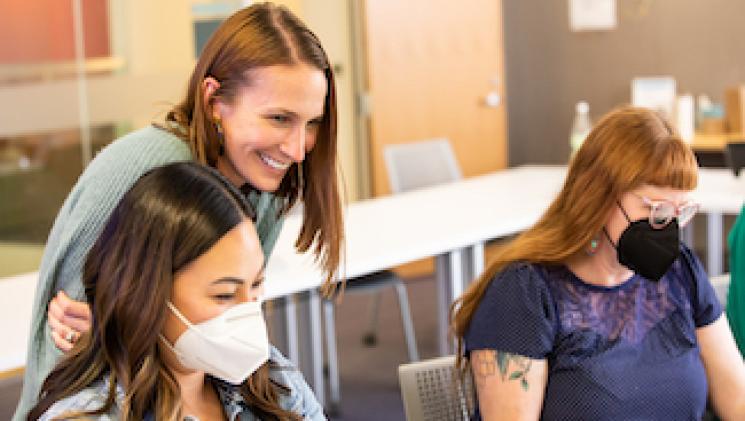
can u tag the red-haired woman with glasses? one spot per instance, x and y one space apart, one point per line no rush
599 312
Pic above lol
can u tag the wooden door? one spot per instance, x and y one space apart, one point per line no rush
435 69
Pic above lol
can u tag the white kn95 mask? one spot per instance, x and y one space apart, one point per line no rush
230 346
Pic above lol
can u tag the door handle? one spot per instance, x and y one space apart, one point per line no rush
492 100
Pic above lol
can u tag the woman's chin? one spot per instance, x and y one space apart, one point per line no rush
265 184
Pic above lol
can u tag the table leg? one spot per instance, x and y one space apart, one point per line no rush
316 346
687 234
472 265
290 309
714 251
456 275
477 263
309 340
450 273
332 355
442 272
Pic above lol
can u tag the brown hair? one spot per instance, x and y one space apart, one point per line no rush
629 147
266 35
171 216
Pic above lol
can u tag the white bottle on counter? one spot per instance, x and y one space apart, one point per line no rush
581 126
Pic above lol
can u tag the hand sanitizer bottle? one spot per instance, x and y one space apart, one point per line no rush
581 126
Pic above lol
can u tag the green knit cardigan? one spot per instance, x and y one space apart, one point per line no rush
79 222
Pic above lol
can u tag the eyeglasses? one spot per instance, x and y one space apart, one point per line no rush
662 212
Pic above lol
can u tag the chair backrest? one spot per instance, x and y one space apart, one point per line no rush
721 287
735 156
431 391
420 164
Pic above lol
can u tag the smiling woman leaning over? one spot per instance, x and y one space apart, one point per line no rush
260 107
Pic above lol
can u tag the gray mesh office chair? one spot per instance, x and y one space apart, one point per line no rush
410 166
431 392
420 164
721 287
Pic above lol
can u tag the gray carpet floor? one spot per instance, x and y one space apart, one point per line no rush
369 377
369 381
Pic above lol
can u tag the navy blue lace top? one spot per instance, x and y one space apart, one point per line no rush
614 353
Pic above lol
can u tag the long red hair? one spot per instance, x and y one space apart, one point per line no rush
628 147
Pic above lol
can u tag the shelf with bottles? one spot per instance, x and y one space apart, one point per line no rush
715 142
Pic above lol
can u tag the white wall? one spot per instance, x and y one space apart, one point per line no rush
329 20
155 41
158 35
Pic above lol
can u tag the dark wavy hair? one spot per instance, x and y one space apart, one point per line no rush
171 216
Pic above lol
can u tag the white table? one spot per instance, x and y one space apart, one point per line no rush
446 221
720 193
16 304
452 222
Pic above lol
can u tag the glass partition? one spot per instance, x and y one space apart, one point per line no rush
74 75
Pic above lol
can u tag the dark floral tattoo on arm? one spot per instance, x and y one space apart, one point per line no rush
487 363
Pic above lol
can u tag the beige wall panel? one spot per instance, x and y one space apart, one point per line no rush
157 36
431 63
329 19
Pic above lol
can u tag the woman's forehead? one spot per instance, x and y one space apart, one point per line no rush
299 88
236 255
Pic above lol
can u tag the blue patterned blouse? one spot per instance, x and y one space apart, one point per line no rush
627 352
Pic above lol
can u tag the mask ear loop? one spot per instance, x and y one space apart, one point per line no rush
179 315
183 319
615 246
609 240
168 344
623 211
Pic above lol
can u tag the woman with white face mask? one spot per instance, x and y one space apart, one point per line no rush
175 285
260 107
